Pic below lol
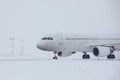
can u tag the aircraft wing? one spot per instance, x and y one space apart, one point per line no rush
116 45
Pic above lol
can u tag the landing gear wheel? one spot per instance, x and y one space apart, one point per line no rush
55 57
111 56
86 56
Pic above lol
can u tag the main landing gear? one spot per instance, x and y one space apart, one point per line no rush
86 56
111 55
55 55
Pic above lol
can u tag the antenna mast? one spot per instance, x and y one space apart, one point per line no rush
12 46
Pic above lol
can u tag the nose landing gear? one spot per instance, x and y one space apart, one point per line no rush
55 56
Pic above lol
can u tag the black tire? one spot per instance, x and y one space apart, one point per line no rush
86 56
55 57
111 56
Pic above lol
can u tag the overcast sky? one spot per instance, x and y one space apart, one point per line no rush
30 19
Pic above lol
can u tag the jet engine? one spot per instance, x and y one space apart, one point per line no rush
101 51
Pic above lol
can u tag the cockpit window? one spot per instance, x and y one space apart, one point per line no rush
47 38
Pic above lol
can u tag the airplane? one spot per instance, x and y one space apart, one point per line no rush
63 45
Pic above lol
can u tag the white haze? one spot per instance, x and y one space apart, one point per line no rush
30 19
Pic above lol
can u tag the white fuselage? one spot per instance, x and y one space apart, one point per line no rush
74 43
77 42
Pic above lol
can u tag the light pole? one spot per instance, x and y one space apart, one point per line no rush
12 46
22 48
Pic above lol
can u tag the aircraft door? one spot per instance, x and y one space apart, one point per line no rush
61 42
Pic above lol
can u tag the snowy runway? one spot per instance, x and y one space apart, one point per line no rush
62 69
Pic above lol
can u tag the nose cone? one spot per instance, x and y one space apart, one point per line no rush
41 45
38 45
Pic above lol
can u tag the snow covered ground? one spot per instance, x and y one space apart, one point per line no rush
62 69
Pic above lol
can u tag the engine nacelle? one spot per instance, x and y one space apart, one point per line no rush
65 53
101 51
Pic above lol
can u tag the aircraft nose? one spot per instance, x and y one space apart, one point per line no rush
41 45
38 45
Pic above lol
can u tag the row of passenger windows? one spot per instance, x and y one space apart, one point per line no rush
80 38
50 38
47 38
92 38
